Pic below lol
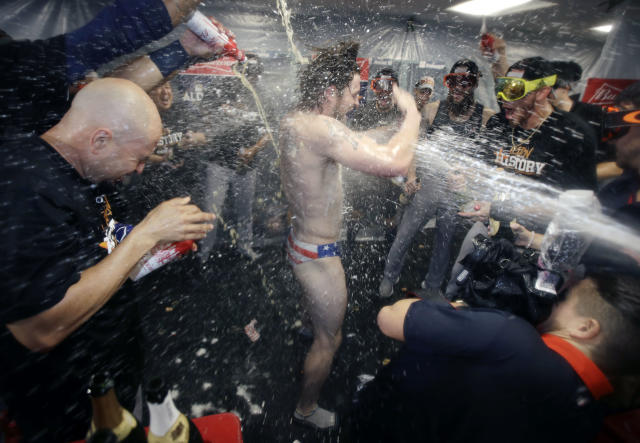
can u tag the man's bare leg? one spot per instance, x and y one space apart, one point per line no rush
325 293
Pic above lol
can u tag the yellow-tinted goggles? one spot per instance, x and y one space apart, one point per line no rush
511 89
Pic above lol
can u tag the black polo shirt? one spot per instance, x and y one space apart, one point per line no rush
476 375
51 225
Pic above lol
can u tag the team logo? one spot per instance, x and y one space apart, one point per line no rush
632 117
605 94
194 95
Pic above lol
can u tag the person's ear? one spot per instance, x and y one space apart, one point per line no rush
100 140
542 94
329 92
586 328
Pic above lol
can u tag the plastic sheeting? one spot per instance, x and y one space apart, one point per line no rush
620 56
431 48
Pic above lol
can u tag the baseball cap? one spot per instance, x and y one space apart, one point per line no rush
465 66
387 72
531 68
425 82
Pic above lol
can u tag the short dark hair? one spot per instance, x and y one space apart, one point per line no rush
333 66
630 94
615 304
470 65
567 71
388 72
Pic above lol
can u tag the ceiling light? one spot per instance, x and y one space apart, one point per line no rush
486 7
603 28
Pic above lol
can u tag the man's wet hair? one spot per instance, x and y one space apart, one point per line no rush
332 66
568 72
631 94
615 303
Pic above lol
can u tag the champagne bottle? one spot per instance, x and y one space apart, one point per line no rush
108 413
166 423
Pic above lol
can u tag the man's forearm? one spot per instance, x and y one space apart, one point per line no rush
403 142
142 71
83 299
179 10
120 28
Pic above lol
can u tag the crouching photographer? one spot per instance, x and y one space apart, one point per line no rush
522 272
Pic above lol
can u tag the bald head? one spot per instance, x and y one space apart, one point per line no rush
118 104
111 128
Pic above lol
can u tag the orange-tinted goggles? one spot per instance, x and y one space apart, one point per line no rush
382 84
618 121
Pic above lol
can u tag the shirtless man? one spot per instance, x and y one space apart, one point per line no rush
314 145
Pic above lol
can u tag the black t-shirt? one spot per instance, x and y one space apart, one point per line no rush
239 129
369 117
560 153
35 90
51 224
476 375
619 200
593 115
468 128
590 113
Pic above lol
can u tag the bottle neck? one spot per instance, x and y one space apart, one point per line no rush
107 411
162 416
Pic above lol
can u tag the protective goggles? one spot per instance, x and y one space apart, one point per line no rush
511 89
618 121
382 84
463 79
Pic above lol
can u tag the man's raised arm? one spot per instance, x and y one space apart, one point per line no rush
362 153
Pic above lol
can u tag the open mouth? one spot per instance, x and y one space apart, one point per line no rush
509 112
457 96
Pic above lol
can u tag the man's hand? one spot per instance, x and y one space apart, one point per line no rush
404 100
190 139
479 211
524 237
197 47
521 234
245 155
175 220
499 46
412 185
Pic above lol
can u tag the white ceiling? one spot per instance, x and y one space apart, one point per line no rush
564 17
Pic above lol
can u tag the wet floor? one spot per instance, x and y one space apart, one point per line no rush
195 317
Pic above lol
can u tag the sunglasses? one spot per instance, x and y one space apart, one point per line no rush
511 89
382 84
618 121
463 79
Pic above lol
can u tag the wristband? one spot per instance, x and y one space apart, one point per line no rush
170 58
533 234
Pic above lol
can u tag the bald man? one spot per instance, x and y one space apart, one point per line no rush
64 303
